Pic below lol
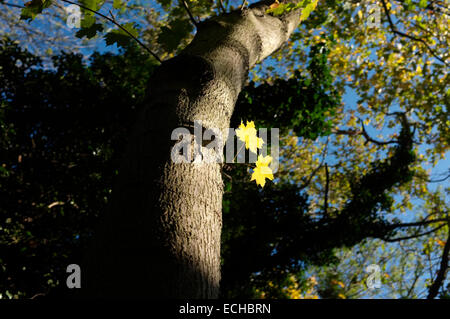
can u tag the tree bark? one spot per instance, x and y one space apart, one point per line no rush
161 236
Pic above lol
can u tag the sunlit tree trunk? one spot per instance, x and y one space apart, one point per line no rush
161 236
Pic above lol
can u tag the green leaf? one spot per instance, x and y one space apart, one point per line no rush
4 172
89 15
87 22
120 37
89 32
165 3
170 37
92 4
33 8
89 18
308 9
282 8
118 4
423 3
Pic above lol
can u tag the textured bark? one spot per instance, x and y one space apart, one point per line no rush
161 237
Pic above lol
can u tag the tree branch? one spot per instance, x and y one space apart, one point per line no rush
11 4
402 34
434 288
433 180
419 223
439 180
191 17
222 7
118 25
392 240
369 139
313 173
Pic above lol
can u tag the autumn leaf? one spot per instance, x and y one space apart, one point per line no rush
338 283
263 160
274 5
262 170
247 134
440 242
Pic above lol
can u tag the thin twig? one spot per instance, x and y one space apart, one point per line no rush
327 184
191 17
41 294
235 156
243 4
112 16
222 7
417 275
430 7
434 288
118 25
313 173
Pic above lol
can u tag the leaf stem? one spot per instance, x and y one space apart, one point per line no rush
235 156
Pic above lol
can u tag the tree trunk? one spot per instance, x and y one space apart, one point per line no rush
161 236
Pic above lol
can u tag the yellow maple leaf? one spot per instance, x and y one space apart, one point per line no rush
263 161
262 170
247 134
